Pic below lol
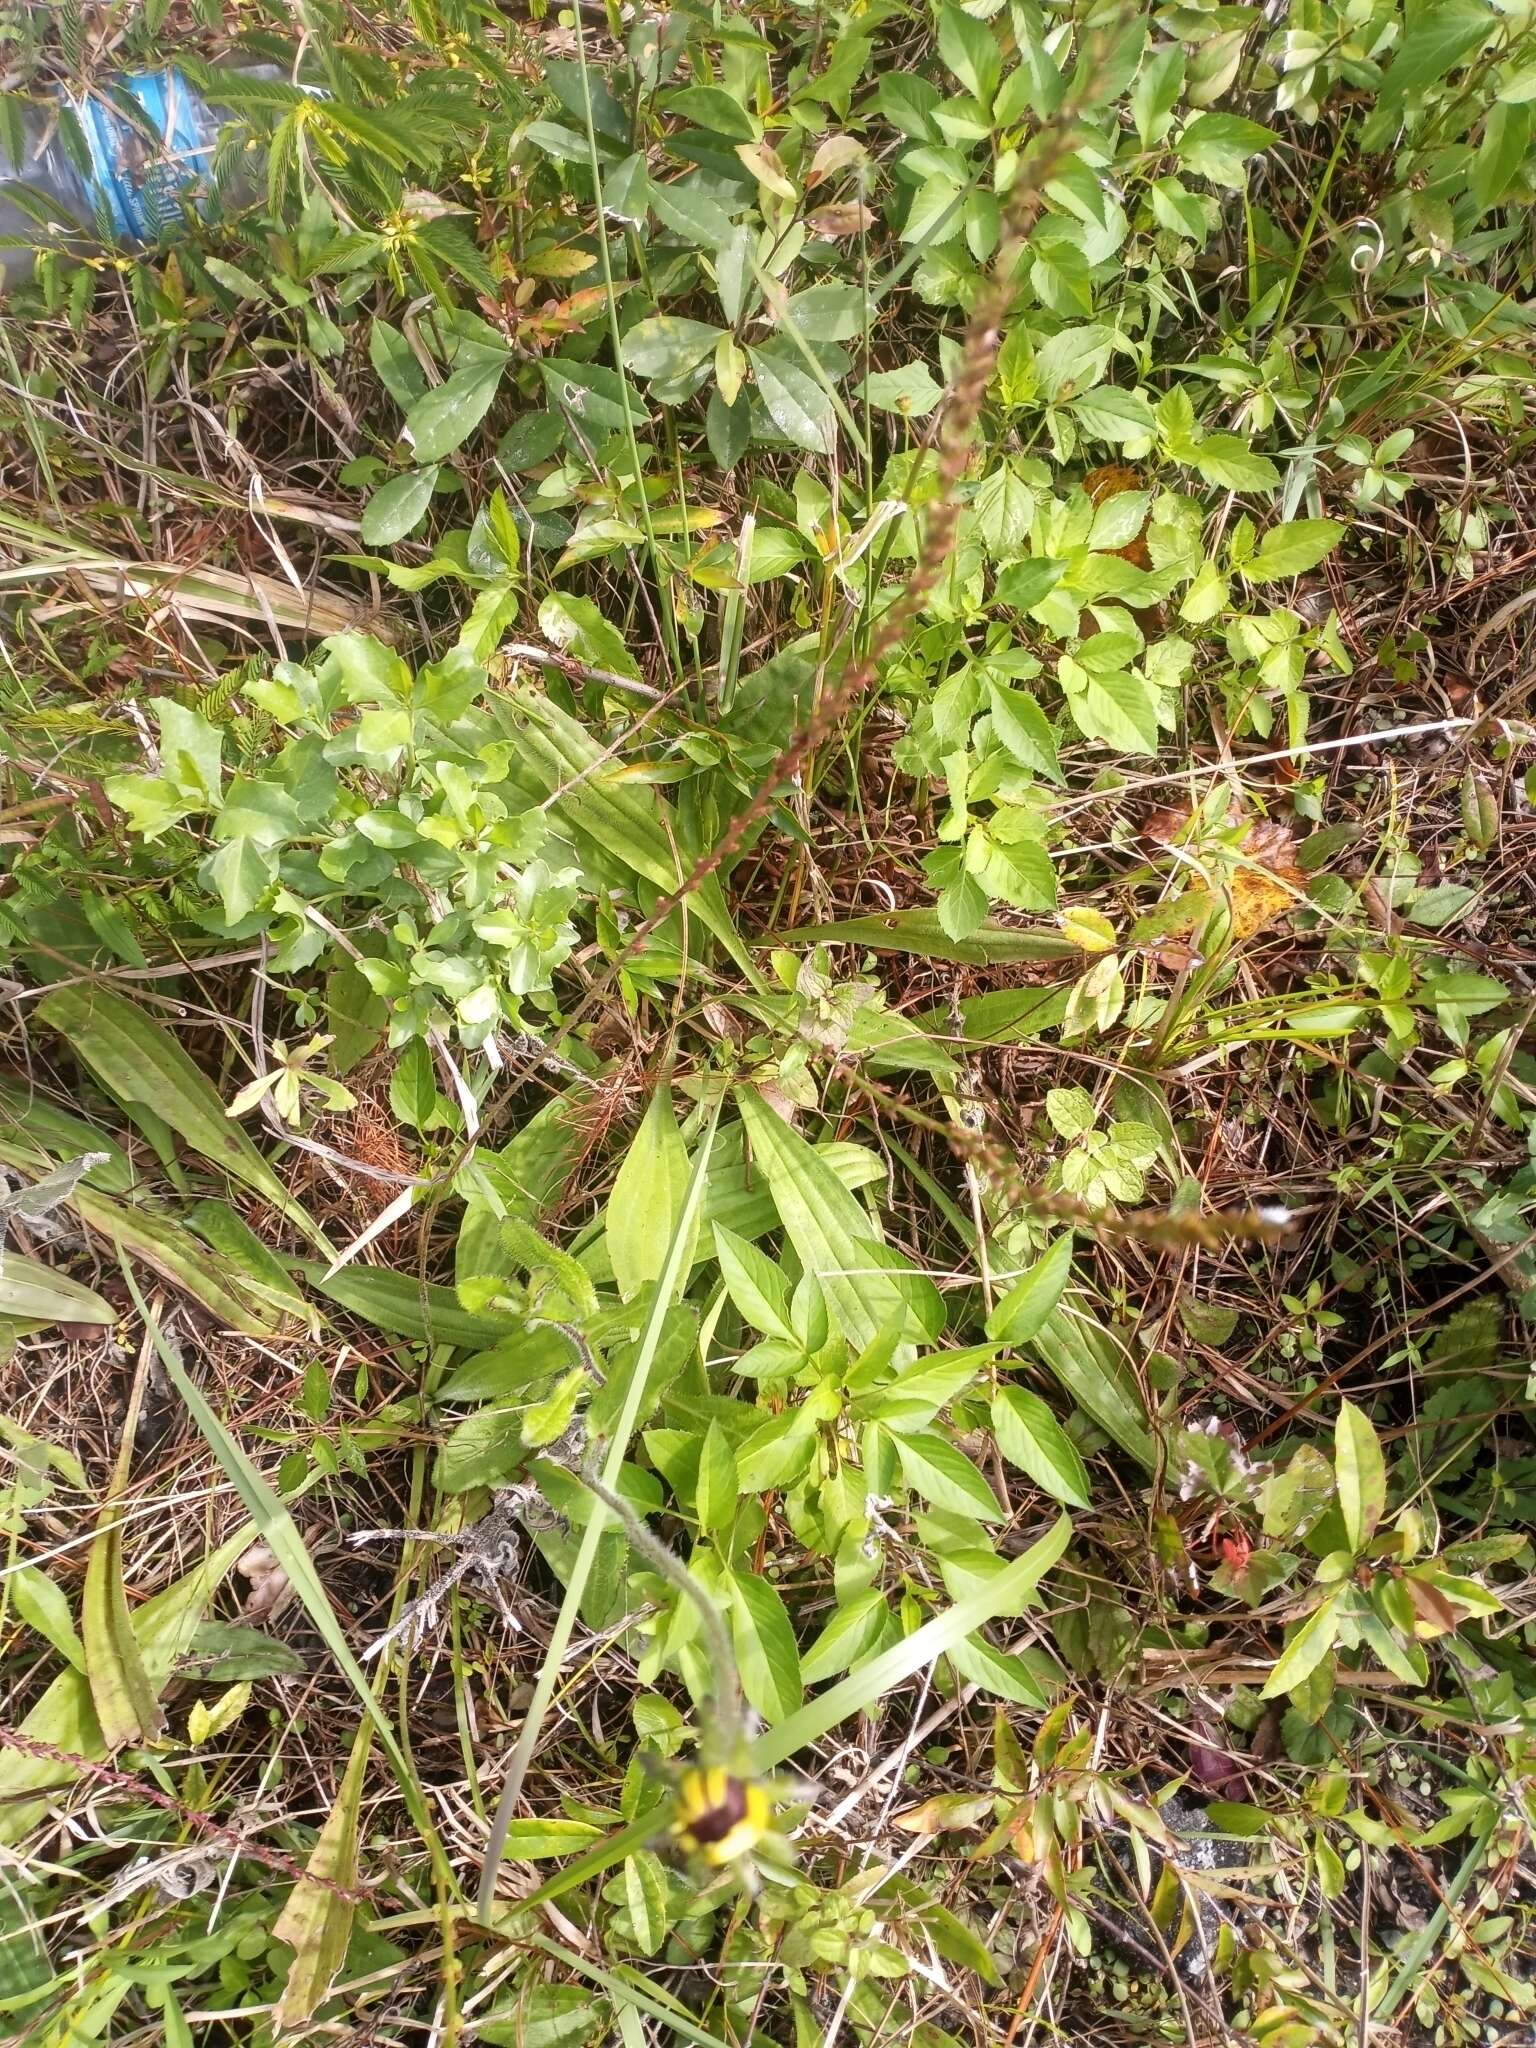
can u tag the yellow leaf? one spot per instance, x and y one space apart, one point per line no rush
557 263
1089 930
762 160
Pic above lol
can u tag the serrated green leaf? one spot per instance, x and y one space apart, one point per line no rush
1029 1436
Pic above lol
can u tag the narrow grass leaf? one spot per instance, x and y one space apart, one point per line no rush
276 1528
870 1682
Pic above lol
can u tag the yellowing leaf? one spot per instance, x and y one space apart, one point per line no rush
1089 930
64 1716
1305 1651
316 1923
126 1702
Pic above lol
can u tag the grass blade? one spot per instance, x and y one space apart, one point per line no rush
862 1687
672 1272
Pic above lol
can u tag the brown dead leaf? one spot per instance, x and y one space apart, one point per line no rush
1112 481
844 217
945 1812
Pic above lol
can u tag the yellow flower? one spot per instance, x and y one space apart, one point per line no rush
720 1817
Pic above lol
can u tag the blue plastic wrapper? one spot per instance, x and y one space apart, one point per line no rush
138 186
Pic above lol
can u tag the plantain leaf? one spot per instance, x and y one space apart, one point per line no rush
316 1922
143 1066
64 1717
34 1293
590 793
167 1249
1087 1362
828 1229
648 1196
126 1700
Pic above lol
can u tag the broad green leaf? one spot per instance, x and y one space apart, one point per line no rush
648 1195
969 49
1441 36
42 1605
1227 460
443 418
717 1489
1293 549
917 931
668 346
1023 1310
942 1473
1217 146
998 1672
755 1284
1029 1436
316 1921
142 1064
645 1896
398 507
577 627
851 1633
766 1655
535 1841
395 364
713 108
795 402
1361 1473
402 1306
692 215
825 1223
1305 1650
912 390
